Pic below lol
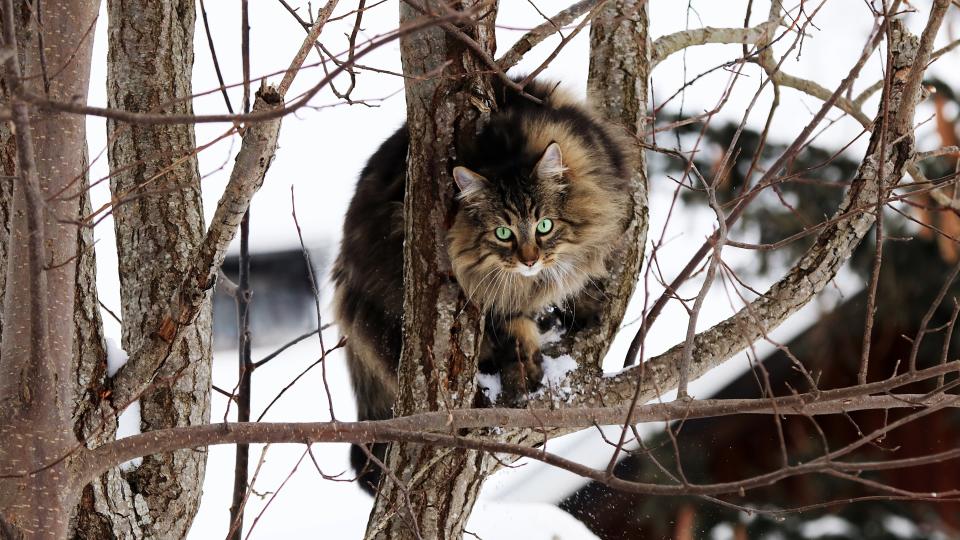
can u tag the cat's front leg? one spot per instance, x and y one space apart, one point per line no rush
520 359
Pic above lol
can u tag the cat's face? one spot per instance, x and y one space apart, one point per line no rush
513 235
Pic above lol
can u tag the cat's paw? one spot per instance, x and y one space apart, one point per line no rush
520 378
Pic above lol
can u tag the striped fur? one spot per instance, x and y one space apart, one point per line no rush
554 160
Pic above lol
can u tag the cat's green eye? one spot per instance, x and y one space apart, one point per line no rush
545 226
503 233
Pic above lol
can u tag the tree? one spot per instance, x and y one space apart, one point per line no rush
58 462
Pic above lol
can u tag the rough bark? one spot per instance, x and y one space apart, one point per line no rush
89 364
36 394
190 298
159 225
433 340
617 88
8 159
435 489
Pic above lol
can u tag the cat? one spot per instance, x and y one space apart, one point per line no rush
543 194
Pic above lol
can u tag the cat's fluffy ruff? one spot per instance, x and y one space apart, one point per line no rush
509 176
588 204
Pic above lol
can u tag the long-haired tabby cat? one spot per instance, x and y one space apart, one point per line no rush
543 195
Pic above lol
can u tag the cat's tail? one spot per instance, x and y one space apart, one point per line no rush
368 471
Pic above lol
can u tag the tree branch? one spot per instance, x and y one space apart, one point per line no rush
430 428
807 277
671 43
546 29
49 105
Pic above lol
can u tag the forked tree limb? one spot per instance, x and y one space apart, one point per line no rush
806 278
256 151
158 222
441 340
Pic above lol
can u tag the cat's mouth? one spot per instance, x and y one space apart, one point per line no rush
528 271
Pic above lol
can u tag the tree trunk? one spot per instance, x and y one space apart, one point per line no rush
8 170
89 367
437 487
41 238
617 88
159 224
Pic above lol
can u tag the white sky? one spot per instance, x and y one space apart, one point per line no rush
322 151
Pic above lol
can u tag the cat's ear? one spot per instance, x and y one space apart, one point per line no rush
468 181
550 166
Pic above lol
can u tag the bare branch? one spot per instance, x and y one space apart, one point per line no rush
312 36
44 104
548 28
669 44
431 428
807 277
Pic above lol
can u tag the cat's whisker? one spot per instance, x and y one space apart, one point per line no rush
490 294
498 287
511 299
476 287
595 286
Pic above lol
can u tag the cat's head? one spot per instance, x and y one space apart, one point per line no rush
512 231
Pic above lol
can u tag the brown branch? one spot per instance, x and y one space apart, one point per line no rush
287 345
213 55
860 397
903 122
764 181
312 36
122 450
546 29
31 359
255 116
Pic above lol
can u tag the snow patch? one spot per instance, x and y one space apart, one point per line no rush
128 424
116 358
490 385
553 335
554 381
555 370
723 531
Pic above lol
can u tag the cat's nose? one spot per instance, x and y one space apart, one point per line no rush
529 255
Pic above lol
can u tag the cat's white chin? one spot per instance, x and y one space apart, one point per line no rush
528 271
